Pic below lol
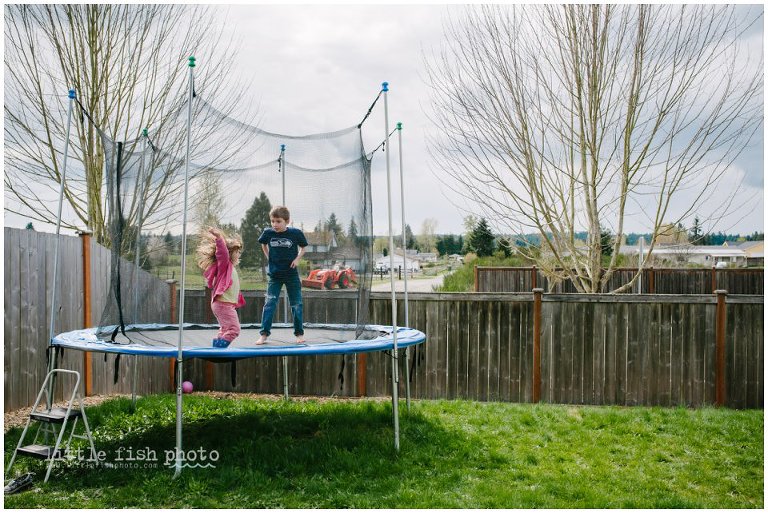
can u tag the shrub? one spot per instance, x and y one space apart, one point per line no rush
463 278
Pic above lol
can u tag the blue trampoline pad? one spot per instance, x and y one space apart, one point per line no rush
162 340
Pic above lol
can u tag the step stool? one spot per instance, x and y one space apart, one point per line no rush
54 421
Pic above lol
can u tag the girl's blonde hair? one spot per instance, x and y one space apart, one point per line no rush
206 249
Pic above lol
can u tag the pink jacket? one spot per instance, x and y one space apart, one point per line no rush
219 275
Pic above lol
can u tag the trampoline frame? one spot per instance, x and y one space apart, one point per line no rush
86 340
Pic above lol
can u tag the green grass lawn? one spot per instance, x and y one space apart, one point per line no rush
454 454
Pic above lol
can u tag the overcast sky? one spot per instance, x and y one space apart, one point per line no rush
318 68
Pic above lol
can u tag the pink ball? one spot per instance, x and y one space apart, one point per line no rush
187 387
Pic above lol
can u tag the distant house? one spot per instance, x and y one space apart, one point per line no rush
324 252
709 256
754 252
415 255
382 263
346 256
319 247
426 257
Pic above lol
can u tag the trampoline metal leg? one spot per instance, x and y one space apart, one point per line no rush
407 380
285 378
133 381
285 358
395 401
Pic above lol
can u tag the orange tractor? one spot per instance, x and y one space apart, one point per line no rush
329 278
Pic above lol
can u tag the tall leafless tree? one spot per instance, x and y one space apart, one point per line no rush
128 66
427 237
208 204
557 119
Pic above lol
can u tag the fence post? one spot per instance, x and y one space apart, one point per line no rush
208 320
537 344
174 319
85 237
720 320
534 274
362 378
477 283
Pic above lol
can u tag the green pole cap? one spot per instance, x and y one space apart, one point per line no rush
191 62
399 126
145 132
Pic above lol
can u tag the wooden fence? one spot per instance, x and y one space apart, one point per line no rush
595 349
653 281
82 289
561 348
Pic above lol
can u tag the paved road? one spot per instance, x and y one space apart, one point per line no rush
414 285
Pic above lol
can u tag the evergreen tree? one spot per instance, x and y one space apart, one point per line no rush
505 246
481 239
695 237
410 240
606 242
253 224
352 232
332 225
443 244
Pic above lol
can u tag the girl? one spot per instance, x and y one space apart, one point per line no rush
217 257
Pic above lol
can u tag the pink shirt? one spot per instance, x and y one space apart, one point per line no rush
219 275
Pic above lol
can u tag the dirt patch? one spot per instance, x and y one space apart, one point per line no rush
18 418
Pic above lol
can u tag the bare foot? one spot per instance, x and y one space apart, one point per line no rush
262 340
299 339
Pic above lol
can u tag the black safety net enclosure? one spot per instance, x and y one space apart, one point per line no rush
234 174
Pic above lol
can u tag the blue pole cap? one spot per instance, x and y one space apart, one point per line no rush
191 62
282 147
399 126
71 94
385 86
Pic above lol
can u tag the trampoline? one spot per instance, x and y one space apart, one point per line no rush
308 176
161 340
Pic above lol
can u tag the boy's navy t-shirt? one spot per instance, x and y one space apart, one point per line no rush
283 249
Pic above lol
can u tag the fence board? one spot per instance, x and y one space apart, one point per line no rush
666 280
12 321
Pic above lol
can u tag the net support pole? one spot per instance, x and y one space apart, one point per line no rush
640 256
395 378
179 355
405 263
52 353
285 301
140 190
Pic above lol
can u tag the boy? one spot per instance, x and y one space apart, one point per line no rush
283 246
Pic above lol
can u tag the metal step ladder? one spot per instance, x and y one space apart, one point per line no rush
53 422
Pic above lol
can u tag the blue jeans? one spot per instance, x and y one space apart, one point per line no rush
293 288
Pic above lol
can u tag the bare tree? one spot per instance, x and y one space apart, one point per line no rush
128 66
208 204
556 119
427 238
